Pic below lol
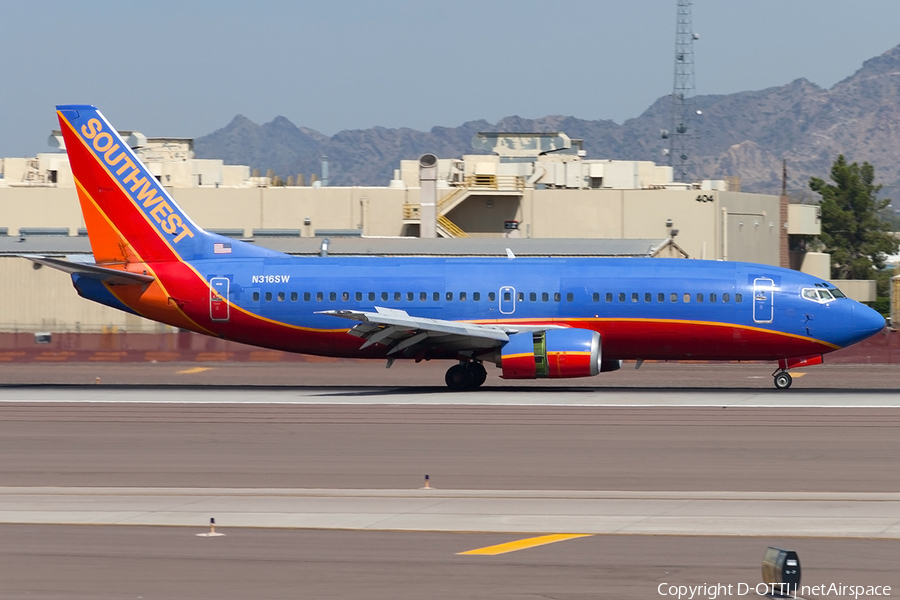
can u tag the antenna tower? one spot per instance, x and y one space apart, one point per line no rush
682 135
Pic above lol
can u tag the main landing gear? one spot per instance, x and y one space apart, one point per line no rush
783 380
465 376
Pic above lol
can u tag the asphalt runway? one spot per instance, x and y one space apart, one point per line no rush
685 434
460 447
55 563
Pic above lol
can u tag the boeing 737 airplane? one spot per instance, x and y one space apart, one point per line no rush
531 317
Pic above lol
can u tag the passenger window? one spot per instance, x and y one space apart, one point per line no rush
397 296
371 296
268 296
725 297
634 296
384 296
306 297
621 297
740 297
648 297
532 296
450 296
712 297
423 296
507 297
687 298
462 296
436 297
545 297
345 296
492 296
570 297
609 296
660 297
476 296
521 296
281 296
294 296
256 296
673 297
359 296
699 297
320 296
596 297
332 296
557 296
409 296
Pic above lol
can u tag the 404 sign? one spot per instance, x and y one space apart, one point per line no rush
704 198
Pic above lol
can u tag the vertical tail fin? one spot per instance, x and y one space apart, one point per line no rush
129 216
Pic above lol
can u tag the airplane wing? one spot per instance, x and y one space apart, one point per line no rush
399 330
91 271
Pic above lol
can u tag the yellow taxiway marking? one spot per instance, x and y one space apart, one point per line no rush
796 375
193 370
526 543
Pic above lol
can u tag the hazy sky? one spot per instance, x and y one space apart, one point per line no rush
186 68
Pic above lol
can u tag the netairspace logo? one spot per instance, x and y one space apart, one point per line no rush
721 590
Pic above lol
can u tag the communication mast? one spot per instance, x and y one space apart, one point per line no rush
682 135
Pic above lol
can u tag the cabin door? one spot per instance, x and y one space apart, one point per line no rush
763 300
218 298
507 300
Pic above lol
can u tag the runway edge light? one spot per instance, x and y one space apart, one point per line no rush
212 530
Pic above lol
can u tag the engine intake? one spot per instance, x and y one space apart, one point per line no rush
552 354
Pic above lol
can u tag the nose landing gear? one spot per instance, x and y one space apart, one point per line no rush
465 376
783 380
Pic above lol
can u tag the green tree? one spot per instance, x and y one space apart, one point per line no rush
853 231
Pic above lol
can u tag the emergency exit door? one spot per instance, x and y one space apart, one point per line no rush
763 300
218 298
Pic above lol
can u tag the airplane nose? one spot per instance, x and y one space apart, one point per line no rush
866 322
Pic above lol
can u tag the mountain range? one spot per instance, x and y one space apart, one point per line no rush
745 134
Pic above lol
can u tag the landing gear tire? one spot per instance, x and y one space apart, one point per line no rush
783 380
459 378
479 373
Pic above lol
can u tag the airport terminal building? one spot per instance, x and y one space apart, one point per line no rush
535 193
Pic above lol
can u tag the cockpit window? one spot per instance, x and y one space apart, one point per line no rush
817 295
837 293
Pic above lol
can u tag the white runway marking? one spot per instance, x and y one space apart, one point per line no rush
845 515
437 396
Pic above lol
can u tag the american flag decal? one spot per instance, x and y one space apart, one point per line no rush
222 248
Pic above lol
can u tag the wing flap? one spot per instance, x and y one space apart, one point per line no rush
400 331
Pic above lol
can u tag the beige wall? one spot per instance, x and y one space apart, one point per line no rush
753 227
574 213
40 207
733 225
45 300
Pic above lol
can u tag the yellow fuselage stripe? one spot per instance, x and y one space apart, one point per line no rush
524 544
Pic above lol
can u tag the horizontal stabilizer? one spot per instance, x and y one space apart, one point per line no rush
92 271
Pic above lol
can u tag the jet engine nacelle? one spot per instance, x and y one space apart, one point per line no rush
556 353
